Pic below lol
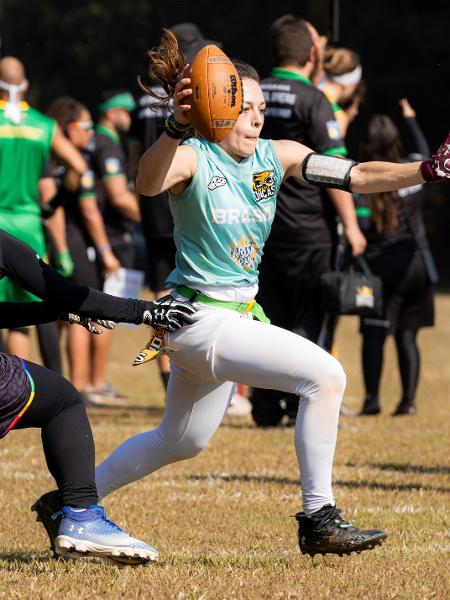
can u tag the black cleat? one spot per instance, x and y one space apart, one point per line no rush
405 408
47 508
371 406
325 532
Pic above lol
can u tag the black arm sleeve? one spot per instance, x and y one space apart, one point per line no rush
20 263
421 143
22 314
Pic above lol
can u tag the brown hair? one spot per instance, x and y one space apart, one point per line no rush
166 63
381 141
291 41
246 71
65 110
338 61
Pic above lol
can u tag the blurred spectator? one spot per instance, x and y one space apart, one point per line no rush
303 239
157 222
120 208
398 252
86 238
341 84
28 138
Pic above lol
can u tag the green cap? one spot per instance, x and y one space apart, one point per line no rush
123 100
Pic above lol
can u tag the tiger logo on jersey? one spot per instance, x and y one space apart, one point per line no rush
263 185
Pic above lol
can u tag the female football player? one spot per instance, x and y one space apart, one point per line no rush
223 201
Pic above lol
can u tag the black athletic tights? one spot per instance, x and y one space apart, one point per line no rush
59 411
408 361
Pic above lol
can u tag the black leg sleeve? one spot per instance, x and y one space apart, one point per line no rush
48 338
58 409
408 362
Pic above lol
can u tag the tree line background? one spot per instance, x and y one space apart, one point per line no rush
84 47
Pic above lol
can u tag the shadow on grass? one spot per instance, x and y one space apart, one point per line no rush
106 410
411 468
394 487
371 485
25 557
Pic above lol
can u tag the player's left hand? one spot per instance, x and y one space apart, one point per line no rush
168 313
438 167
92 325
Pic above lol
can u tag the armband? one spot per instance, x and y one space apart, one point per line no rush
328 171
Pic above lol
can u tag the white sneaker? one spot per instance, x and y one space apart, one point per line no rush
239 406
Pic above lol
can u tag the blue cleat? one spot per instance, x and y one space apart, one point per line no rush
90 533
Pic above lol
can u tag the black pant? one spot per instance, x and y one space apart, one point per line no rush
289 292
59 411
408 361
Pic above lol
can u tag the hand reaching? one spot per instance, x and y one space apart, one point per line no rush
438 167
87 322
168 313
407 109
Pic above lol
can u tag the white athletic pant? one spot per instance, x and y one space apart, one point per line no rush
221 347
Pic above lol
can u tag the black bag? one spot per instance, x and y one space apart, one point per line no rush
352 292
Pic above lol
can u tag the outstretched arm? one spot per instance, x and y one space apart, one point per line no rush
369 177
378 176
21 264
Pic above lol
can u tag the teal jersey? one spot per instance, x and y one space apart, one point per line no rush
224 216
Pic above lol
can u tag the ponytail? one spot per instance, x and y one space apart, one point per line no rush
166 63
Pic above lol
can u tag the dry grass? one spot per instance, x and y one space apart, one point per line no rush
222 521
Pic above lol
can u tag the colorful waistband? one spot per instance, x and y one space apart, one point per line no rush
29 401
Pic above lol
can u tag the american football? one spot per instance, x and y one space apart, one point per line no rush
217 94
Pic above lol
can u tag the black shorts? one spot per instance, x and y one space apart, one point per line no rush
408 295
87 270
160 261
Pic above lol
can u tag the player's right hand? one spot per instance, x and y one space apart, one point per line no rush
181 92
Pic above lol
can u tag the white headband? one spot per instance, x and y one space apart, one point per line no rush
348 78
13 106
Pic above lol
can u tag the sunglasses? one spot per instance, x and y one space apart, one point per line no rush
84 125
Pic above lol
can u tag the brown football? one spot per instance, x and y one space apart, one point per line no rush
216 98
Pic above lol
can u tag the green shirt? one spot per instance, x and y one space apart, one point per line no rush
24 149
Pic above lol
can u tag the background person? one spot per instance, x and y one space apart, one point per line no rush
120 209
340 83
156 218
87 241
28 138
303 239
398 252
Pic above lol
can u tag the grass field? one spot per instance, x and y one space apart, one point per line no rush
222 521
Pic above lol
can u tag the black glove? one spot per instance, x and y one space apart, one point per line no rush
168 313
87 322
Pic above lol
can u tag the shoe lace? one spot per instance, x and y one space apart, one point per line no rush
331 514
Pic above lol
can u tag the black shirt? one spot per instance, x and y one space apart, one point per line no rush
409 234
298 111
110 160
148 124
70 199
